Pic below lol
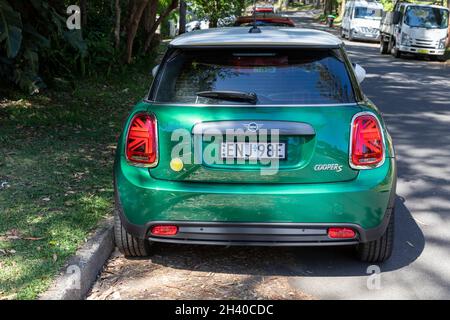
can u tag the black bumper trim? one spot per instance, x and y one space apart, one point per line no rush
256 243
254 233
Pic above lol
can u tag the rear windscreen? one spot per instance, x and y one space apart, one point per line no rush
301 76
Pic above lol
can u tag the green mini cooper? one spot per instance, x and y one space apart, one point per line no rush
256 138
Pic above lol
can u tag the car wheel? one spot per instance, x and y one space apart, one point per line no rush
129 245
390 45
350 35
378 250
395 52
383 46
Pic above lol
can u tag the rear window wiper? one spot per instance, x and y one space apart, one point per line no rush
239 96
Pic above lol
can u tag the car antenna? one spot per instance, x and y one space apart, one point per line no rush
254 28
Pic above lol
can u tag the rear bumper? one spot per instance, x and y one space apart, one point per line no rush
248 214
257 234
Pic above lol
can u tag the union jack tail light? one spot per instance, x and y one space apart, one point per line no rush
366 144
142 142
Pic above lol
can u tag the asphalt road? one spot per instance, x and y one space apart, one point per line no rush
414 96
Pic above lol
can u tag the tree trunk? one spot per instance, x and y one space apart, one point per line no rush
183 8
213 23
317 4
172 6
342 10
135 18
328 7
83 12
117 26
150 15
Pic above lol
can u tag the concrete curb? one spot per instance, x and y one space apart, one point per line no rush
81 270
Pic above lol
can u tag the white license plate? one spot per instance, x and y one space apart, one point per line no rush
253 150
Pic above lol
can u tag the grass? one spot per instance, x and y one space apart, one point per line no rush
56 156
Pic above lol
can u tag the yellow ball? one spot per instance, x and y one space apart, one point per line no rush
176 164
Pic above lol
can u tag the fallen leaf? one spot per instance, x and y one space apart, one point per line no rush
12 234
69 203
55 257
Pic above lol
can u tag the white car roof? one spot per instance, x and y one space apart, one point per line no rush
269 36
365 3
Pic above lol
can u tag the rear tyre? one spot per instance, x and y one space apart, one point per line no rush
129 245
383 46
378 250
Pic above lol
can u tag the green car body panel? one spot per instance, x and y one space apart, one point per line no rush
159 194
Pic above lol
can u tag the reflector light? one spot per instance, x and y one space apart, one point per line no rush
341 233
367 150
164 230
141 147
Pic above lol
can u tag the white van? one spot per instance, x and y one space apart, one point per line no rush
415 28
361 20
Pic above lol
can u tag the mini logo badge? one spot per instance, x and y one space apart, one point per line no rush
253 126
328 167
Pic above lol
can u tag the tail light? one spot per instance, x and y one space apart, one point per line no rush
141 146
366 145
164 230
341 233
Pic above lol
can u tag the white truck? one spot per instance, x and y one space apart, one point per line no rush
420 29
361 20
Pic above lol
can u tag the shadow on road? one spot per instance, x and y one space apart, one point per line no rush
293 261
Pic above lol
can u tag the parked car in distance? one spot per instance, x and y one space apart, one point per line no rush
361 20
197 25
415 28
274 21
256 139
264 9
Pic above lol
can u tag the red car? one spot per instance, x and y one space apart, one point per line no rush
274 21
265 9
